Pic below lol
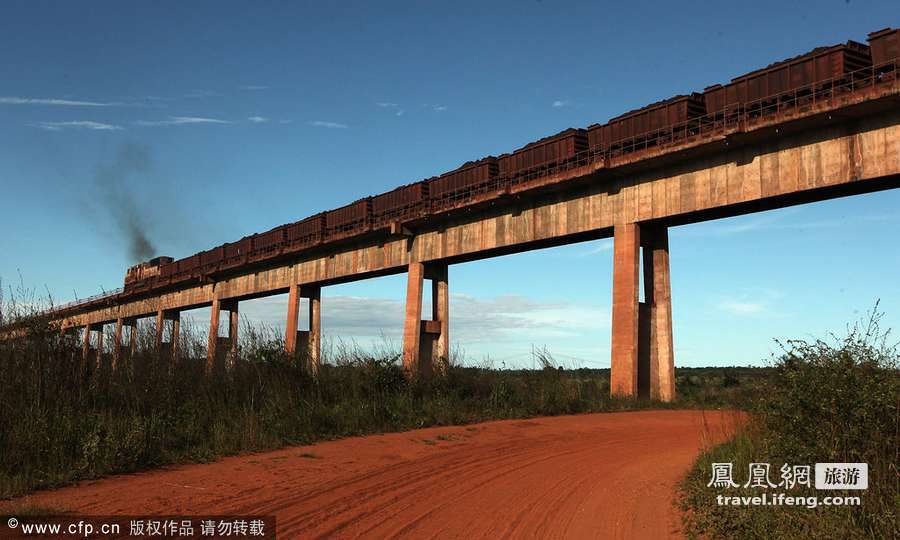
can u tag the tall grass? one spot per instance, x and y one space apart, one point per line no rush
827 401
63 420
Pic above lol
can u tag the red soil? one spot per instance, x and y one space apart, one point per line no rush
590 476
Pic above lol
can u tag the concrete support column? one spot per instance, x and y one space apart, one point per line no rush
293 318
162 318
426 344
217 346
658 297
411 325
307 342
117 344
314 337
626 287
98 361
160 328
643 360
233 319
86 344
132 336
212 344
440 315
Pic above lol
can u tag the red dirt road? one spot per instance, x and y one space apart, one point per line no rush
590 476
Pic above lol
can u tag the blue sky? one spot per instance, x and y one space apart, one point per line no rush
244 117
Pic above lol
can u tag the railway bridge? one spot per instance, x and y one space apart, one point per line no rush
832 142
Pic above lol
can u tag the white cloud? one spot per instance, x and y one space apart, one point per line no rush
439 108
76 124
14 100
561 103
324 124
258 119
742 308
181 120
196 93
395 107
253 87
512 318
600 247
748 305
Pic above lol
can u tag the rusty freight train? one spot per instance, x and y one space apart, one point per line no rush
821 74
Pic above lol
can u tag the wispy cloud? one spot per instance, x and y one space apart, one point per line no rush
76 124
748 305
331 125
258 119
394 107
199 93
601 246
475 319
253 87
182 120
735 307
15 100
559 103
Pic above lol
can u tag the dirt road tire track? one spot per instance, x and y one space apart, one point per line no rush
590 476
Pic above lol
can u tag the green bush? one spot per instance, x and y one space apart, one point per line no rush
836 401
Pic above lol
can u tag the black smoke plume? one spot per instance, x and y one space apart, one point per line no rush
117 189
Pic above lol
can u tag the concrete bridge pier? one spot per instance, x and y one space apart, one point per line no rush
307 342
89 354
226 346
643 359
117 344
163 317
426 344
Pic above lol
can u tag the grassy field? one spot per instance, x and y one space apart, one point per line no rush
63 421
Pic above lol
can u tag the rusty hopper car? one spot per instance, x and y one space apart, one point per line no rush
885 45
236 252
648 125
402 204
804 72
212 258
461 185
350 220
145 270
186 267
269 243
543 154
305 233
